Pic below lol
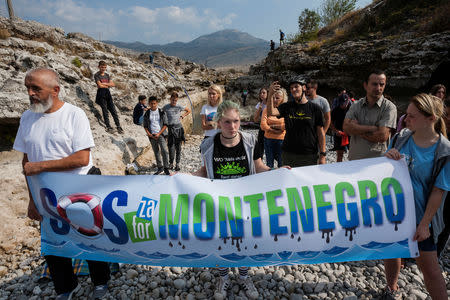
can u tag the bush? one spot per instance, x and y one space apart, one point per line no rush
76 62
4 34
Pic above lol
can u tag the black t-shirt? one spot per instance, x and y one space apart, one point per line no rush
301 121
229 162
338 116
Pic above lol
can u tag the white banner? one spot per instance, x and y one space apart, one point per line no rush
328 213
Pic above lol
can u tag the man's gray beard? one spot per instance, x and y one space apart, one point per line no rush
42 107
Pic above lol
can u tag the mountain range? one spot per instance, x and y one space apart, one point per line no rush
227 47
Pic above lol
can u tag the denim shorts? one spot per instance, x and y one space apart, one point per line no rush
427 244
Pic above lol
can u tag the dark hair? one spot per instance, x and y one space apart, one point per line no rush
341 89
102 63
436 88
350 94
152 98
312 82
376 72
174 94
142 97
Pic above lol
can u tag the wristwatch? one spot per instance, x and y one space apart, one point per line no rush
323 153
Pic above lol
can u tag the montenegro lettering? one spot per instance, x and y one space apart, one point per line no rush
349 211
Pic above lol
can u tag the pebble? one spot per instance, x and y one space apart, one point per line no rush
131 274
179 283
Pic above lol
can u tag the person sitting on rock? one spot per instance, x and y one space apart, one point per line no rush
155 125
176 131
104 98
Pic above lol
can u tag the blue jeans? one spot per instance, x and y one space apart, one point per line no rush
272 147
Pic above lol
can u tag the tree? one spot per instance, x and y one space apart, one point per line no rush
10 9
331 10
308 21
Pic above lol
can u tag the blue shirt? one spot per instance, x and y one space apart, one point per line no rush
420 165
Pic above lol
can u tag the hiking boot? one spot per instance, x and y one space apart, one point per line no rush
99 291
177 168
159 171
250 289
110 130
221 289
389 294
120 130
166 171
68 295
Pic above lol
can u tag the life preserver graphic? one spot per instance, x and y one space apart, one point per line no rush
94 204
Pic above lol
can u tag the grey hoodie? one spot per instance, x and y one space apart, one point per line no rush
207 150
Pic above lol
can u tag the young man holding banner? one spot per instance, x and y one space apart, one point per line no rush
55 136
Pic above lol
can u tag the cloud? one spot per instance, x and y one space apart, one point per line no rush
73 16
181 16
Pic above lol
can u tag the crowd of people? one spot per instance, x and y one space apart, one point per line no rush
292 132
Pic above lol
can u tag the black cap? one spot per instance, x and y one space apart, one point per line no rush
298 79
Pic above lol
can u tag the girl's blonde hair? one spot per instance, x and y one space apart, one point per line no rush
283 93
224 107
217 89
429 106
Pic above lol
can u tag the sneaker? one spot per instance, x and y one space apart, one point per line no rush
221 289
389 294
177 168
159 171
68 295
110 130
166 171
120 130
250 289
99 291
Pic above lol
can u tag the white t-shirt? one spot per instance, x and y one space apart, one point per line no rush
154 121
55 135
209 112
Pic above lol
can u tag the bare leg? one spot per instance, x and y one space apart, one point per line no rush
392 269
340 155
432 274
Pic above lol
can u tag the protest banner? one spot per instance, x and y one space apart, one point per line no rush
348 211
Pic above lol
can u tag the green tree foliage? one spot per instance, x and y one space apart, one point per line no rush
308 25
331 10
308 21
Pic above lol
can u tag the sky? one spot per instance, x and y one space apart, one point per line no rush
165 21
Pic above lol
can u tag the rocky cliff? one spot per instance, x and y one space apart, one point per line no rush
413 57
25 45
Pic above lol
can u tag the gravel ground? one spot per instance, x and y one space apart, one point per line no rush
20 271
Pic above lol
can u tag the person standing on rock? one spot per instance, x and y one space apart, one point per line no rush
426 150
311 94
104 98
281 37
139 109
340 138
233 150
55 136
304 142
369 121
260 106
274 131
176 131
155 125
209 110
